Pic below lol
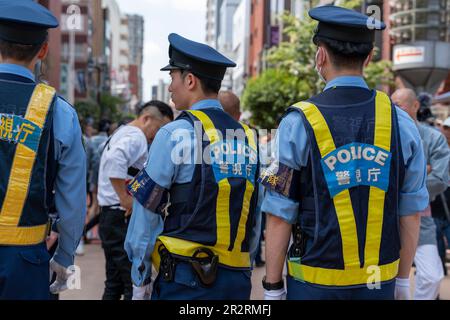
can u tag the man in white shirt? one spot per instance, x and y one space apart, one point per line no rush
125 154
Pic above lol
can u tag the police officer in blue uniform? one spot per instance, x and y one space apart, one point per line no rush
43 161
348 181
193 212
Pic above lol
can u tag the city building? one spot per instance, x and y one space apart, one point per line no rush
213 22
52 65
119 61
136 49
161 92
76 50
225 37
240 45
420 38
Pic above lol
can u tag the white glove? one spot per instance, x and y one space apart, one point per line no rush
62 275
402 291
275 294
141 293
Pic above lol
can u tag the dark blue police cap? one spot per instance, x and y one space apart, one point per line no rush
25 21
198 58
346 25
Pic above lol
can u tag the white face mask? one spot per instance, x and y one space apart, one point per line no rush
319 71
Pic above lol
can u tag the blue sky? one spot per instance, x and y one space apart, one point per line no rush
162 17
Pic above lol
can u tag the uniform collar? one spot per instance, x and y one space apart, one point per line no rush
16 70
347 81
207 104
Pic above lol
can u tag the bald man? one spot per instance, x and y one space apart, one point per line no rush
429 268
231 104
407 100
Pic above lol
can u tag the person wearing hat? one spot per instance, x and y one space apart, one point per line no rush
348 180
193 210
43 161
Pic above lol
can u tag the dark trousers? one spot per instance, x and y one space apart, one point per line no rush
259 259
229 285
112 230
24 272
297 290
442 231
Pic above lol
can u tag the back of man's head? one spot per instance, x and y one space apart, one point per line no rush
157 109
231 104
104 125
345 55
20 53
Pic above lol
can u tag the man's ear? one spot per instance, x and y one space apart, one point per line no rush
190 81
43 52
369 58
322 56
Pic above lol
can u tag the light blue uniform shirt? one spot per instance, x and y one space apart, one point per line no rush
292 149
70 184
145 226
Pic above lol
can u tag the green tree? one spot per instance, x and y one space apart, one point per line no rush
268 96
294 59
109 108
86 109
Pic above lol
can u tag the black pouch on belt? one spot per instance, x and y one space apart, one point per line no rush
205 267
167 266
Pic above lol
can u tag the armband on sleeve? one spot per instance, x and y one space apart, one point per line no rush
282 179
148 193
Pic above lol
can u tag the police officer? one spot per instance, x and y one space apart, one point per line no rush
41 151
194 203
342 179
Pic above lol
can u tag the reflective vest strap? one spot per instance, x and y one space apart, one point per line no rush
242 227
340 278
250 136
223 222
342 202
250 188
13 236
208 126
322 133
383 135
23 162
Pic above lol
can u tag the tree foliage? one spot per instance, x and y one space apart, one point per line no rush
109 108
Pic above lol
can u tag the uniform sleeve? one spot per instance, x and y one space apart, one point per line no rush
291 152
146 225
413 193
143 230
439 157
70 184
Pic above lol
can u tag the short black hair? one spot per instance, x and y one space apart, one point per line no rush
104 125
20 52
346 54
209 86
162 107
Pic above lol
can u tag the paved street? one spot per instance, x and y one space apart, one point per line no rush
93 275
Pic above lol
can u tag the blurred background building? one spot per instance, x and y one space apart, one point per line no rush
94 53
